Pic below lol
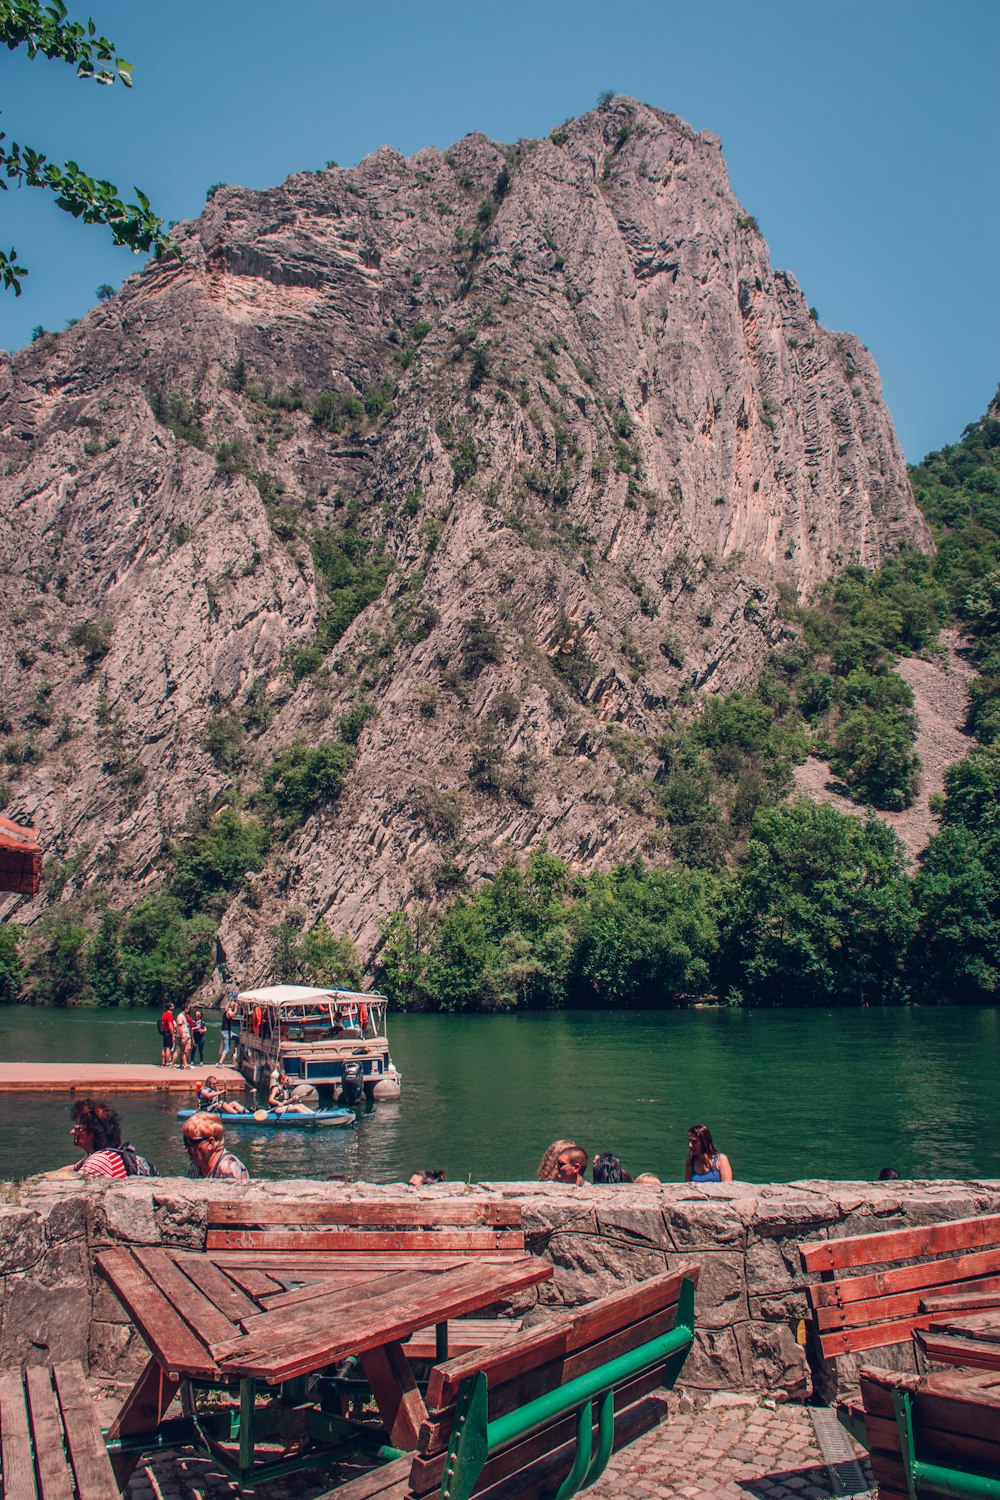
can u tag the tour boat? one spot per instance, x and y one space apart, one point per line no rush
331 1040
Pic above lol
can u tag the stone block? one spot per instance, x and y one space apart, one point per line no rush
621 1220
22 1240
106 1307
181 1220
720 1299
571 1286
129 1214
609 1263
44 1323
772 1358
65 1218
714 1362
116 1351
693 1226
781 1307
541 1221
785 1211
773 1265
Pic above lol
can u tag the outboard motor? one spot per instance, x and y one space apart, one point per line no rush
352 1085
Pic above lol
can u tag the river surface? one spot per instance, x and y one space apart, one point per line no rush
786 1093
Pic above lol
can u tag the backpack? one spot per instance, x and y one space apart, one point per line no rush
134 1164
159 1025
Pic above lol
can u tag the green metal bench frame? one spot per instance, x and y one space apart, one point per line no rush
922 1477
476 1438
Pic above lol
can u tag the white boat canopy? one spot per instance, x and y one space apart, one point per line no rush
300 994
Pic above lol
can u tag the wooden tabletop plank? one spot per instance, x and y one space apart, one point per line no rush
204 1319
362 1283
15 1439
227 1296
864 1314
255 1283
393 1214
300 1320
176 1348
450 1294
899 1244
95 1479
55 1479
358 1240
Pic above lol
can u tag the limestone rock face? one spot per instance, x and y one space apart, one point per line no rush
557 402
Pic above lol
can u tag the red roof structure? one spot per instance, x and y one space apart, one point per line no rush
20 859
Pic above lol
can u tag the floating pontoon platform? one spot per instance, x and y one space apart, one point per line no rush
109 1078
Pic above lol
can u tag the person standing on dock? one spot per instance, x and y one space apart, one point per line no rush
182 1037
205 1144
167 1035
199 1031
230 1030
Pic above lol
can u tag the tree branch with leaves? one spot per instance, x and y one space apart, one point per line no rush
46 31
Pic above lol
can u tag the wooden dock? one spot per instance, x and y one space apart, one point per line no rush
109 1078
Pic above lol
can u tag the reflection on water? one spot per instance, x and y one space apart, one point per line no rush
787 1094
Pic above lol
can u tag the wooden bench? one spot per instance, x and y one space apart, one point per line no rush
464 1335
51 1444
449 1227
932 1435
517 1421
872 1285
438 1231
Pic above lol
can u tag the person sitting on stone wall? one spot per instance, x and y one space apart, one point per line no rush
205 1144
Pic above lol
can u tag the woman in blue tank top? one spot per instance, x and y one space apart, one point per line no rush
704 1163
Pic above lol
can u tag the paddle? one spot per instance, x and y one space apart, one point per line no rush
260 1114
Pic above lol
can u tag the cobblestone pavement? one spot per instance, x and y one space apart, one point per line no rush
732 1448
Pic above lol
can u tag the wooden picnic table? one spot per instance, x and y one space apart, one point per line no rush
244 1319
965 1330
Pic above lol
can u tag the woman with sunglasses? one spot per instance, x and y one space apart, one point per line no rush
97 1132
205 1144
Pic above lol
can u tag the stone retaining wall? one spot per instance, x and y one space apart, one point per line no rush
750 1299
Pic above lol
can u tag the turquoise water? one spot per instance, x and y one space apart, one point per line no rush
787 1094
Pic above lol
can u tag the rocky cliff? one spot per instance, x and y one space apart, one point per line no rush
515 446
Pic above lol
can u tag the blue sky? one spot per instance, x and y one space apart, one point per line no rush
861 135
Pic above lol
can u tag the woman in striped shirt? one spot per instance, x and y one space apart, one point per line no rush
97 1131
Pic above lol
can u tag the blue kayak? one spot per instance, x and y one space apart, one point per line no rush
291 1120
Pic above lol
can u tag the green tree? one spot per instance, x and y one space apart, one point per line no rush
956 951
873 754
644 938
11 968
43 30
331 960
820 911
301 779
217 859
164 955
58 970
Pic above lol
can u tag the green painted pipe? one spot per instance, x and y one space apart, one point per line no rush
955 1483
537 1413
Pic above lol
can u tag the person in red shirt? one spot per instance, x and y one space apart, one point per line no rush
167 1036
